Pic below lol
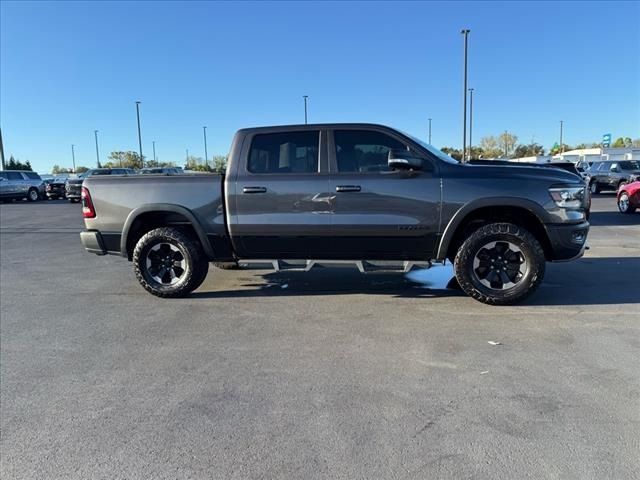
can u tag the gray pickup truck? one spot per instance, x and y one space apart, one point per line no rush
299 196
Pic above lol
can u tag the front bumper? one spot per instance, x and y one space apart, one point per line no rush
568 242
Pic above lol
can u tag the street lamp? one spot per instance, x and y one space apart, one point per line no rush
464 32
95 133
206 156
155 160
73 158
470 122
305 108
139 134
429 131
561 145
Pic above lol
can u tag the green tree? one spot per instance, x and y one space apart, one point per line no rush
14 164
120 159
57 169
507 142
219 163
489 146
453 152
531 150
196 164
622 142
81 169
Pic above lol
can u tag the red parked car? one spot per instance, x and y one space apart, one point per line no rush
629 197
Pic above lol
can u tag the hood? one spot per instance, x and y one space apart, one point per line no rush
543 173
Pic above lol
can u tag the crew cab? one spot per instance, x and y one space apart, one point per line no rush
303 195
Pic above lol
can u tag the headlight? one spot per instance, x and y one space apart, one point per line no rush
568 197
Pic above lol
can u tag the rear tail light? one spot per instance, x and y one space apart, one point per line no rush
87 205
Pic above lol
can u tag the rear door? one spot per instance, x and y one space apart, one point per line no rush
380 213
279 201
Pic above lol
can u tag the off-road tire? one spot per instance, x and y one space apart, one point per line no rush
501 232
196 262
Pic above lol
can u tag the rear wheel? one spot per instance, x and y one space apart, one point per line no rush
622 184
169 263
33 195
500 264
74 200
594 187
624 205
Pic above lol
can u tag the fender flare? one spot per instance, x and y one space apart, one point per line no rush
165 207
450 230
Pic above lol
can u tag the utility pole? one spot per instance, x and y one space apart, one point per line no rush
561 144
95 133
139 134
464 32
206 156
73 158
2 151
187 161
505 143
470 122
155 160
429 131
305 108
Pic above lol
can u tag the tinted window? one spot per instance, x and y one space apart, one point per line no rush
32 175
14 176
3 175
630 165
291 152
363 151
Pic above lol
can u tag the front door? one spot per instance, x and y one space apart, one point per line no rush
280 202
379 213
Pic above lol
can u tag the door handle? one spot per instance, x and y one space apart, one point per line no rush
348 188
254 190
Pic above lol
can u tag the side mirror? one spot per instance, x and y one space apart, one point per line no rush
403 160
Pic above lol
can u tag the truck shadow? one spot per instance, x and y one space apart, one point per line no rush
588 281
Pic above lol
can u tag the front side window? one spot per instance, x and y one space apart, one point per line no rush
362 151
290 152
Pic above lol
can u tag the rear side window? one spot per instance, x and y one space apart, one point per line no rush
32 175
290 152
363 151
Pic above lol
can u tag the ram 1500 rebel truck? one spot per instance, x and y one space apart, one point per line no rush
322 194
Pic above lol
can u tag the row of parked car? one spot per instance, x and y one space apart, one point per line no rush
20 184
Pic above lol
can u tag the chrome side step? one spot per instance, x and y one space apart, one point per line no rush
363 266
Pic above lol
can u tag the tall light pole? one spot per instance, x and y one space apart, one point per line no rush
561 145
73 158
305 108
470 122
464 32
2 151
206 155
139 134
187 161
155 160
429 131
95 133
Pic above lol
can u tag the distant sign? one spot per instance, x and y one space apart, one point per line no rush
606 140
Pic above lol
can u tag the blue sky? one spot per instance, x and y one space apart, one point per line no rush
69 68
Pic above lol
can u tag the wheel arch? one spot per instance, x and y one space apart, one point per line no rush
472 216
147 217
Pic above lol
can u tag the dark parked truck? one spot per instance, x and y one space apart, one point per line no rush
321 194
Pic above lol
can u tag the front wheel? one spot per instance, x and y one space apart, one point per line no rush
624 205
500 264
169 263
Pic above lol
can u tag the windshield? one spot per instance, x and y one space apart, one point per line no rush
438 153
630 165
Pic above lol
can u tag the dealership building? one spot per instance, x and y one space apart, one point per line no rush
588 155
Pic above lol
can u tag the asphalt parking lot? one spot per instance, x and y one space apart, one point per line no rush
322 375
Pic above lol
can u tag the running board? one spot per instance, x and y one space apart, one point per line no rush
363 266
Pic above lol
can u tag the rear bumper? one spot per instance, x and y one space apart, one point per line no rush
92 242
568 242
100 243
